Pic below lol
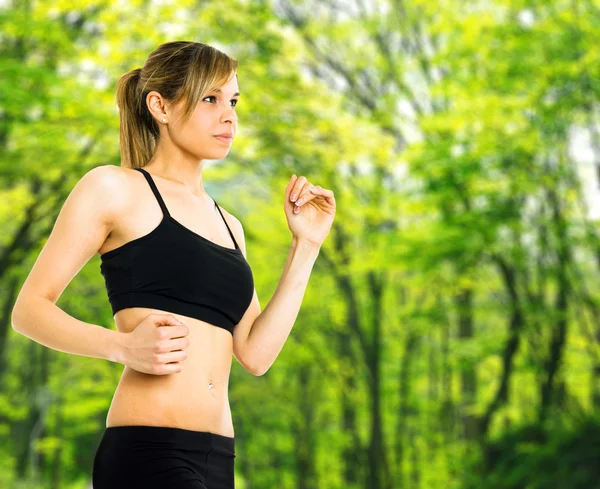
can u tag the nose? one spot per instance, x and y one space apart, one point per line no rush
230 115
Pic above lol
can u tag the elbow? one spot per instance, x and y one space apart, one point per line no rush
249 366
259 373
19 315
260 370
248 359
256 369
15 317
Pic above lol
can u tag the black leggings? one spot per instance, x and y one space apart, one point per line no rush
161 457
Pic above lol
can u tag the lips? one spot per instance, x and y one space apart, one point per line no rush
227 138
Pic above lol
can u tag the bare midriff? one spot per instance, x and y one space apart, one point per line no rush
195 398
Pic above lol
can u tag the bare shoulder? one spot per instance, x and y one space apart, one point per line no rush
229 216
236 228
109 185
83 224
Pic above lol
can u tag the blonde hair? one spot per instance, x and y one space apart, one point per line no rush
178 70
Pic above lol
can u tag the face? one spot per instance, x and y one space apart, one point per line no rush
215 114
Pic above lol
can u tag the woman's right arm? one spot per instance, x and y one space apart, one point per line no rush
84 222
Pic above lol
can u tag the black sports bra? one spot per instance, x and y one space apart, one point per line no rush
174 269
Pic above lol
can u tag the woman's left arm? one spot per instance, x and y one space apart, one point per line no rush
310 212
272 327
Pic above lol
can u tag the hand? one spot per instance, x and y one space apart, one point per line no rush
156 345
310 215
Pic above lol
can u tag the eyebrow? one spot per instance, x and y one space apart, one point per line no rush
219 90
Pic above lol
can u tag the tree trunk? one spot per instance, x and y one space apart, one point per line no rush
304 439
468 375
559 332
511 347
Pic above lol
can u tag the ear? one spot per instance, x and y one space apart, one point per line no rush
157 106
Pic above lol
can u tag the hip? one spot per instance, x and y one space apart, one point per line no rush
160 456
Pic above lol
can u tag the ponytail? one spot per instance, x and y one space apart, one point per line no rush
138 132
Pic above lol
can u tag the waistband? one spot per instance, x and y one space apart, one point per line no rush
181 437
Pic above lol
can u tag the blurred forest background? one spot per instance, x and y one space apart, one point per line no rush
449 336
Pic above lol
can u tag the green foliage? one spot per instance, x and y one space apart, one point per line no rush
446 131
538 457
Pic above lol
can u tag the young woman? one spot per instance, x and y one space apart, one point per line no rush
174 264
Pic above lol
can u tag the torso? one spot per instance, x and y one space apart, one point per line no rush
182 400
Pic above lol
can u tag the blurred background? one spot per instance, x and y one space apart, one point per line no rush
449 336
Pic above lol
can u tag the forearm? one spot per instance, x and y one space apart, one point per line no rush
44 322
272 327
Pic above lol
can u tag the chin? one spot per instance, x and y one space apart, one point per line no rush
218 156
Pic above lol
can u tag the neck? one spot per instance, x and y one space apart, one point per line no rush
186 175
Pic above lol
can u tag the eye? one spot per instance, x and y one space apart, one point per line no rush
212 96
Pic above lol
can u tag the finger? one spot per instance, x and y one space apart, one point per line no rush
172 356
297 188
178 331
168 368
306 195
179 344
302 200
165 319
303 191
291 181
289 186
326 193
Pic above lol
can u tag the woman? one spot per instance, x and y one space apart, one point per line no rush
174 264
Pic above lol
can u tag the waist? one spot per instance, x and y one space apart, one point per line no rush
190 439
155 400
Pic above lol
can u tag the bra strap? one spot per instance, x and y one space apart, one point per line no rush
161 202
230 233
